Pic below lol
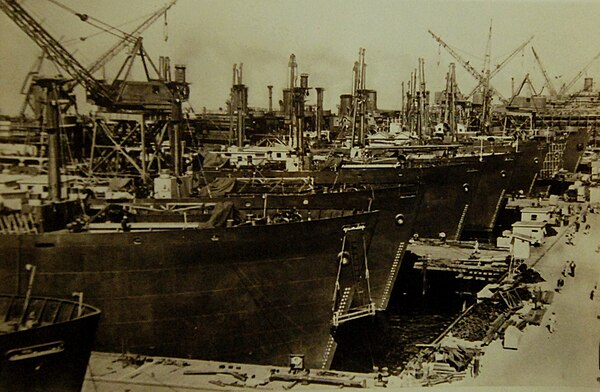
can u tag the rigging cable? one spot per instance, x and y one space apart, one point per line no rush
96 22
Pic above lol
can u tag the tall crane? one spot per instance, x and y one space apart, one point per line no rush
501 65
476 74
134 112
551 88
103 59
481 77
102 94
563 90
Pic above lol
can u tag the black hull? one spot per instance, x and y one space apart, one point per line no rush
575 145
489 194
447 187
61 350
398 208
245 294
527 165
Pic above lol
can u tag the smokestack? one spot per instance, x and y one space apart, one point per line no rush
304 81
270 98
52 128
319 120
180 73
175 138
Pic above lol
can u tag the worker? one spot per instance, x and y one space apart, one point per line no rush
572 268
570 239
551 322
125 224
476 365
537 297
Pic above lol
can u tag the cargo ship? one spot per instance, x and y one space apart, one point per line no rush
398 208
449 182
226 286
45 343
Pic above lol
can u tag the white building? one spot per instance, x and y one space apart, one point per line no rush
535 230
537 214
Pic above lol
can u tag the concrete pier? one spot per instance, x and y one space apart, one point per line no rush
569 357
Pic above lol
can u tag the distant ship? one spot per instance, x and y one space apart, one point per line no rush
45 343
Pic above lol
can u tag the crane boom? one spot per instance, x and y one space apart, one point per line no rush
565 88
488 50
503 63
480 78
551 88
99 93
113 51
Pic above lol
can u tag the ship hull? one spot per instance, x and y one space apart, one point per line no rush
398 208
246 293
447 187
489 191
527 165
575 144
49 358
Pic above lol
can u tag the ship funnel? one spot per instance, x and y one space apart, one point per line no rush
304 80
270 98
180 73
164 67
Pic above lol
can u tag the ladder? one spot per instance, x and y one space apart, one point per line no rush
352 292
461 222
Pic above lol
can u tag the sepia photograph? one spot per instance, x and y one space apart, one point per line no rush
229 195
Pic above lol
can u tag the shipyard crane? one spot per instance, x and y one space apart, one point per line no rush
563 90
482 78
102 60
128 133
549 83
100 93
501 65
466 65
488 51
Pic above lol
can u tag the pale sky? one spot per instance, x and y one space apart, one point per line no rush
209 36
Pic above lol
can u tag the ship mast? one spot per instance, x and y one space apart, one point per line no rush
359 98
238 106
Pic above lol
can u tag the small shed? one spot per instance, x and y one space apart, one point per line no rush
533 229
512 338
539 214
520 246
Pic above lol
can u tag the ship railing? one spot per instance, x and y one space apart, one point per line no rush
353 314
18 223
110 227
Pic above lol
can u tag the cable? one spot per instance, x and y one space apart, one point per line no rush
87 19
85 38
